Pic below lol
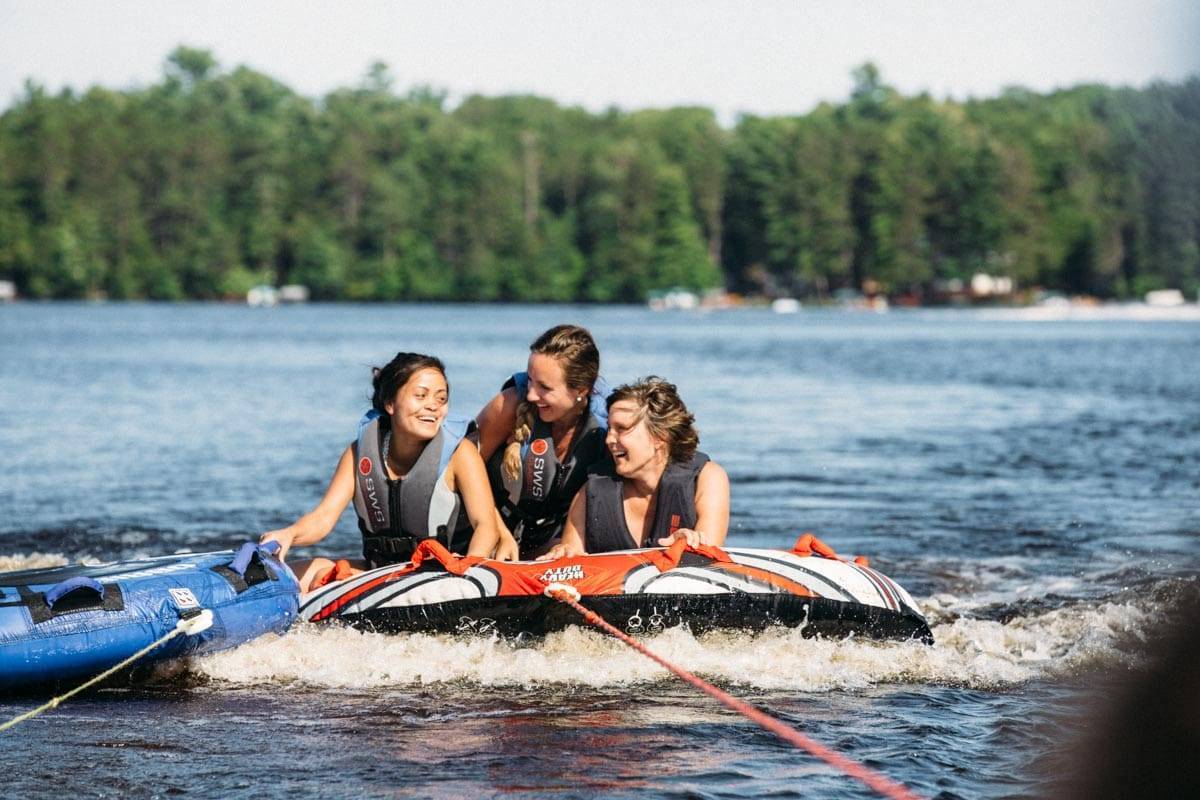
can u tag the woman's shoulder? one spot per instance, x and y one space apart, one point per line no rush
712 476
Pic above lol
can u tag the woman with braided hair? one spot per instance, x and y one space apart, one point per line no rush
658 488
540 435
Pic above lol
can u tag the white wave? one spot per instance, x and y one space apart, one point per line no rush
32 561
36 560
971 652
980 583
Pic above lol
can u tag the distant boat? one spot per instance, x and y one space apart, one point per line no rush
785 305
8 291
262 296
1165 298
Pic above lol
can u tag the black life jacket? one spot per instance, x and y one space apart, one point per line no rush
394 515
675 507
535 505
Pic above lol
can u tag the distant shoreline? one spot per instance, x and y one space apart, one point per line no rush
1083 312
213 183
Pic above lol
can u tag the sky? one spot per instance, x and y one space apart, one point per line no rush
766 58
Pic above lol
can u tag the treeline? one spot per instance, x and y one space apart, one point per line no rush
211 182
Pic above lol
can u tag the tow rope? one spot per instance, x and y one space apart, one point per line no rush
882 784
189 625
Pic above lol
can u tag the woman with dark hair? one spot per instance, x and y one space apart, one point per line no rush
540 435
659 487
412 473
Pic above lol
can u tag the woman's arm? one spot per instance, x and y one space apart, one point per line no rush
712 509
571 543
468 477
507 549
316 524
496 421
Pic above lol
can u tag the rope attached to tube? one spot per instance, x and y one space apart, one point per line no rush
189 625
882 784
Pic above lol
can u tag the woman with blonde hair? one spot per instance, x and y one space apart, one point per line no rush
540 435
659 487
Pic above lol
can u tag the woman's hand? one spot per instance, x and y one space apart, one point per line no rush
283 537
560 550
316 524
694 538
571 542
507 548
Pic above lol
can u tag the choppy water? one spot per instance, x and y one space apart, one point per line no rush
1035 484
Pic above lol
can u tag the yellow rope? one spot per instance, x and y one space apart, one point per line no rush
192 625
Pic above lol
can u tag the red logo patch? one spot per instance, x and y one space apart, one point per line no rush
364 466
539 447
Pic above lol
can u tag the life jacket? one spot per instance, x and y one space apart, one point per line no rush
534 506
394 515
675 507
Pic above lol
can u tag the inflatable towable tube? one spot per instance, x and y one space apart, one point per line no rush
808 587
73 622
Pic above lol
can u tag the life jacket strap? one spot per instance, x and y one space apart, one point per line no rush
400 547
531 528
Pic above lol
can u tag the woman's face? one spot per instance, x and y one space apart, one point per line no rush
420 407
548 389
632 446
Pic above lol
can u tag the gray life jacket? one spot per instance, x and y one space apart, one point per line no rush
675 507
394 515
534 506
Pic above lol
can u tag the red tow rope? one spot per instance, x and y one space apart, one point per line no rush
880 783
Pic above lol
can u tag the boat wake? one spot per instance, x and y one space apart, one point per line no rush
976 653
976 647
31 561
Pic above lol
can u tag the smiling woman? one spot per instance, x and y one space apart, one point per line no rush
411 473
540 435
660 487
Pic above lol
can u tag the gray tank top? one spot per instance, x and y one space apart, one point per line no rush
675 507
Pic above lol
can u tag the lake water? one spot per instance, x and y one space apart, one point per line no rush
1034 484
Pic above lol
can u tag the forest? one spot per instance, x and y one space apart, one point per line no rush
212 181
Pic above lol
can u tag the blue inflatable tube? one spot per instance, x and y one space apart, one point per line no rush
69 623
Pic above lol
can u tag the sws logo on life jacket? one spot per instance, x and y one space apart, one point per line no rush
368 489
537 472
573 572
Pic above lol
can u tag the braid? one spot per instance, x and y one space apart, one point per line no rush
521 432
